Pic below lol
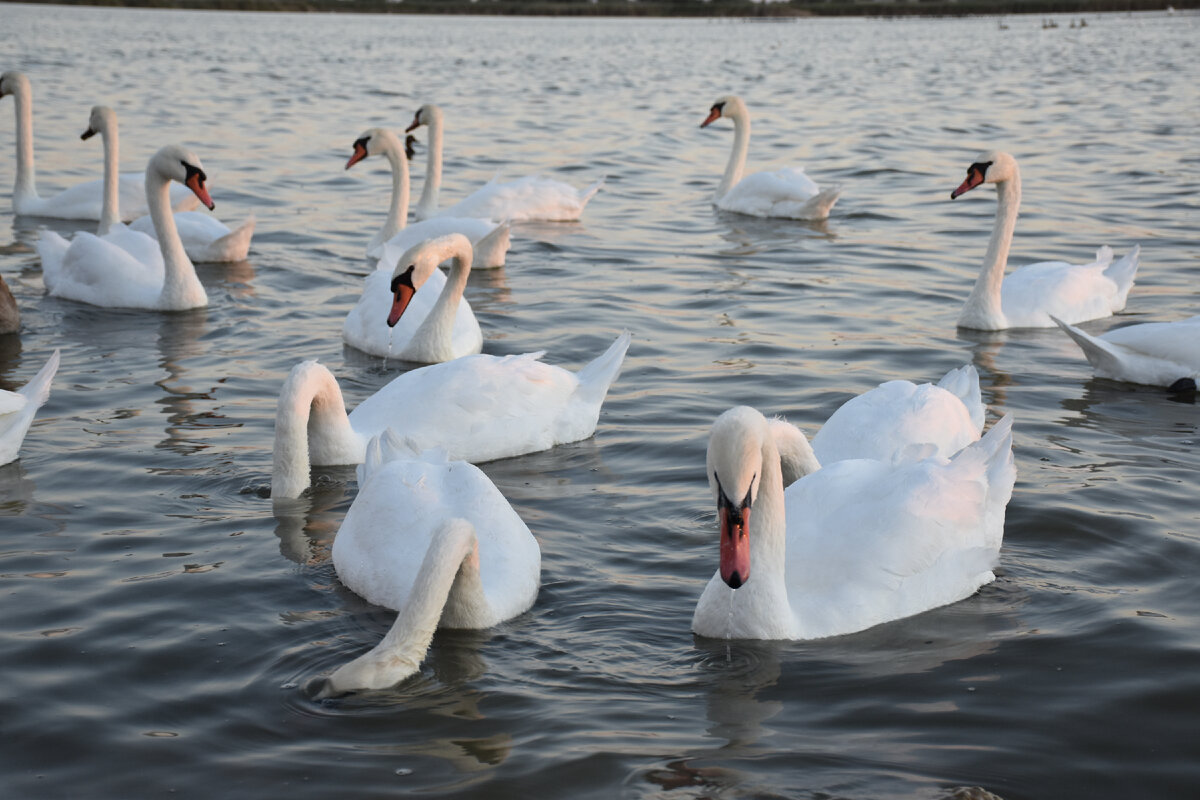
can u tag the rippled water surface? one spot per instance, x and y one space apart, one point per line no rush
163 621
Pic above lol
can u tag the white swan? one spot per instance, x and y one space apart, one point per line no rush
441 326
81 201
17 409
94 270
1153 353
476 408
899 419
436 541
1028 296
490 239
787 193
852 545
533 198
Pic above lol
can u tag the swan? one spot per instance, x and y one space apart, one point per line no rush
435 540
533 198
476 408
899 419
83 200
17 409
489 239
10 315
1153 353
787 193
442 325
94 270
1028 296
853 544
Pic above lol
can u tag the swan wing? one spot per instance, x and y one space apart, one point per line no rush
787 193
1073 293
532 198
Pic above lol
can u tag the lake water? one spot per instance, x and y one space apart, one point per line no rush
163 621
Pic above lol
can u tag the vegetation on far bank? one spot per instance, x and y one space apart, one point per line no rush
659 8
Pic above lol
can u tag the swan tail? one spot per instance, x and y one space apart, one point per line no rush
51 249
37 391
1122 272
492 248
963 383
233 246
994 454
590 192
819 205
597 376
1104 357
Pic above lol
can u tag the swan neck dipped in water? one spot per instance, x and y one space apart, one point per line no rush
311 426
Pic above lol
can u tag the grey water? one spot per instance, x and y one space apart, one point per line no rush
163 620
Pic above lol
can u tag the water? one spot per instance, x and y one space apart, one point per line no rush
163 621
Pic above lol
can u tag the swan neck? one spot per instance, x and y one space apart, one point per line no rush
181 287
397 216
983 306
25 187
428 203
737 156
437 329
768 527
311 417
110 208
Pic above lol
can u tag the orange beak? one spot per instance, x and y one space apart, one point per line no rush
735 545
712 117
974 178
416 123
196 184
402 291
360 152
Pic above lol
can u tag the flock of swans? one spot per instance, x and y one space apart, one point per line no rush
895 507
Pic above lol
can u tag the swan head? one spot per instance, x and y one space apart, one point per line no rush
13 82
735 457
101 121
416 265
374 142
428 114
177 163
730 106
991 167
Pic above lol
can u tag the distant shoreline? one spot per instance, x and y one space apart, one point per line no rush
775 11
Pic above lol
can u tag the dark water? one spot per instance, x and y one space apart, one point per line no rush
162 619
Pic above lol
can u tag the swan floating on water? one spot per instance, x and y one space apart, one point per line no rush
788 193
1153 353
18 408
1027 297
83 200
852 544
435 540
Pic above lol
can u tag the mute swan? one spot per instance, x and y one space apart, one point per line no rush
852 545
530 199
81 201
10 315
17 409
476 408
1029 295
1153 353
787 193
899 419
442 325
435 540
490 240
93 270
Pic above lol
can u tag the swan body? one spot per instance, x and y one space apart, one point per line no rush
394 238
414 312
96 270
899 419
477 408
852 545
788 193
1030 295
436 541
534 198
18 408
83 200
205 238
1153 353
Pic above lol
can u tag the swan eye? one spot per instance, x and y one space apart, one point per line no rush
718 107
403 279
194 172
980 168
362 142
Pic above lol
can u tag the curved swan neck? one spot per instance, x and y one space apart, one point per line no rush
110 208
453 547
983 308
438 326
181 288
768 527
311 416
25 187
737 156
428 204
397 216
